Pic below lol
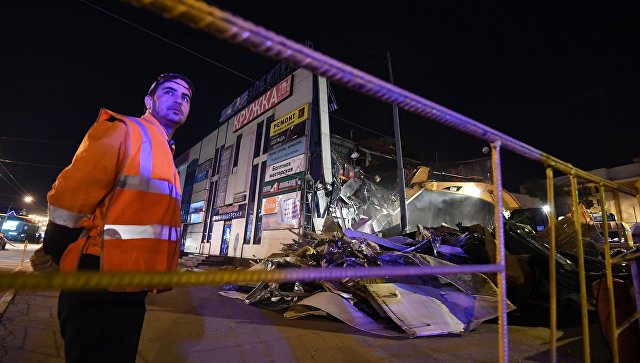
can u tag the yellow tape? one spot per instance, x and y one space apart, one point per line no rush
114 280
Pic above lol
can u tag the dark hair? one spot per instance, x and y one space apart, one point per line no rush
167 77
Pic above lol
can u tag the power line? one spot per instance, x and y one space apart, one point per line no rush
169 41
208 59
32 164
24 192
3 138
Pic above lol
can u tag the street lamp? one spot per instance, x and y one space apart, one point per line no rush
27 199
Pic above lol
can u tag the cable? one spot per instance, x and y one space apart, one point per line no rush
206 58
356 125
169 41
11 185
24 192
14 179
3 138
32 164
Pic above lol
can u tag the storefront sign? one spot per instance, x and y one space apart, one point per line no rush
229 212
239 198
269 205
281 212
287 167
264 103
235 106
288 211
290 134
284 152
202 172
282 185
292 118
275 75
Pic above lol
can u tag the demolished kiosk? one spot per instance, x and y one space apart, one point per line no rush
272 183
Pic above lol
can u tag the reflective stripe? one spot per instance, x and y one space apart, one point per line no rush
154 231
65 217
149 185
146 155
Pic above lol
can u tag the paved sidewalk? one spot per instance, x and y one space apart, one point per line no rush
199 325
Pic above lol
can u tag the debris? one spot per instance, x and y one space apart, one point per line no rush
406 306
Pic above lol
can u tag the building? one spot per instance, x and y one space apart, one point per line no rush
243 183
623 206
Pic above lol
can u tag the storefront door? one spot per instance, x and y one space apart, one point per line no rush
226 234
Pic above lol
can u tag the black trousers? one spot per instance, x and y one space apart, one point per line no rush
101 326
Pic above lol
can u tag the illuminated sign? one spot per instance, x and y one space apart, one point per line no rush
287 167
288 135
294 148
282 185
230 212
281 212
275 75
269 205
292 118
234 107
264 103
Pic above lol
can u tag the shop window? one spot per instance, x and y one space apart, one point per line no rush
236 154
223 179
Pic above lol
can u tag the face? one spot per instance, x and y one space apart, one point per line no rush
170 104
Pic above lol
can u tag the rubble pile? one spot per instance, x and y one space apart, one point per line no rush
407 306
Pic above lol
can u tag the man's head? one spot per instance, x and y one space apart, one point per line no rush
169 100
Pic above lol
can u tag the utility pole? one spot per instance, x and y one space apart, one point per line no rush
400 164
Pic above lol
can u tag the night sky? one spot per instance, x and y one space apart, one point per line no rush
562 77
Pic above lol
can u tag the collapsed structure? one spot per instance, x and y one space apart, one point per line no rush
272 183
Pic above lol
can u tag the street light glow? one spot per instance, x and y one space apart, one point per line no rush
28 199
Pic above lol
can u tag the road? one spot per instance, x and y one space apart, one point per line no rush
15 253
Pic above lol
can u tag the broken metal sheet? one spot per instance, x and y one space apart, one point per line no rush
473 283
343 310
432 304
364 224
350 187
414 309
472 309
372 237
233 294
298 310
401 240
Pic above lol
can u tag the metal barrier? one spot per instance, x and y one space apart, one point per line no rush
236 30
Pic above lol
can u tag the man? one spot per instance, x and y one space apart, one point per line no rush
3 241
116 208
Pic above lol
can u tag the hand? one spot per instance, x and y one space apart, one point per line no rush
41 262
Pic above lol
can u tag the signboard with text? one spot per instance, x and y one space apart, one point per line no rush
281 212
264 103
282 185
284 152
287 167
289 120
229 212
290 134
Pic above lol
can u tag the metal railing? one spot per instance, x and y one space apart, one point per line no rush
226 26
236 30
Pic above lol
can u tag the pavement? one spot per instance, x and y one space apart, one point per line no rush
197 324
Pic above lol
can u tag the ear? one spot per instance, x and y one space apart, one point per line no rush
147 102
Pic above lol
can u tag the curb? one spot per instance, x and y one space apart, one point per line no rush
5 300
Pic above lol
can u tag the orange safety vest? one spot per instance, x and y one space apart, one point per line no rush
136 226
